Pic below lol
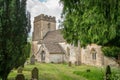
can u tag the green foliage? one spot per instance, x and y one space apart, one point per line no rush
14 29
111 51
92 21
26 50
115 76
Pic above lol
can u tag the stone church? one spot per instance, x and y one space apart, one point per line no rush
49 46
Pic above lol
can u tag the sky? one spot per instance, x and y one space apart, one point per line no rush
42 0
48 7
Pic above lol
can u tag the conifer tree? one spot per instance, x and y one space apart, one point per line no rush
14 31
92 21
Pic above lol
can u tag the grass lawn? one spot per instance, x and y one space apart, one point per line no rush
62 72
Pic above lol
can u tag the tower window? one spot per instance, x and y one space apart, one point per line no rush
49 26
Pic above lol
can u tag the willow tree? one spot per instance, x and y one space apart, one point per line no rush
14 31
93 21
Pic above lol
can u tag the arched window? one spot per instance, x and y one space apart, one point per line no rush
48 26
42 56
93 52
94 56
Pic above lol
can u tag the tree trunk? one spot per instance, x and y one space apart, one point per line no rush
5 75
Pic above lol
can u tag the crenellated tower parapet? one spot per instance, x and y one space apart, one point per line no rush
45 18
42 25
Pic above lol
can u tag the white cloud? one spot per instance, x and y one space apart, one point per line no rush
50 7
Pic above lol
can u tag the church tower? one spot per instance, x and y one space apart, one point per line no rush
42 25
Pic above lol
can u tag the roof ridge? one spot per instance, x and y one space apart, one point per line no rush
55 30
50 32
46 34
53 36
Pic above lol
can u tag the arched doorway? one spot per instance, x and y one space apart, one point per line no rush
43 56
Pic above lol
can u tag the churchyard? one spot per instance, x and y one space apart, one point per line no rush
62 72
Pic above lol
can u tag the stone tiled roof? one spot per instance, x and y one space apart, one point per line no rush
53 37
54 48
51 41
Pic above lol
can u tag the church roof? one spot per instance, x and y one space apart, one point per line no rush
54 37
54 48
52 40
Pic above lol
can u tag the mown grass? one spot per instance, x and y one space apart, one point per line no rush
62 72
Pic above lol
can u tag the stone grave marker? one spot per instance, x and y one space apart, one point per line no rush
35 74
20 69
69 64
20 77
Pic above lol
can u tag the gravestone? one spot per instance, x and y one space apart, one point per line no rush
32 60
108 73
69 64
35 74
20 77
76 63
20 69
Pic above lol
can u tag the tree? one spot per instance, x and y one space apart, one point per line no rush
14 29
92 21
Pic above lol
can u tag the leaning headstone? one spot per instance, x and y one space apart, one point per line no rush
69 64
20 69
35 74
20 77
32 60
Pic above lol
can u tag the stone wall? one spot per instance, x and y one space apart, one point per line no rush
35 47
46 27
44 17
87 57
43 24
37 31
101 60
71 54
56 58
109 61
47 59
38 55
